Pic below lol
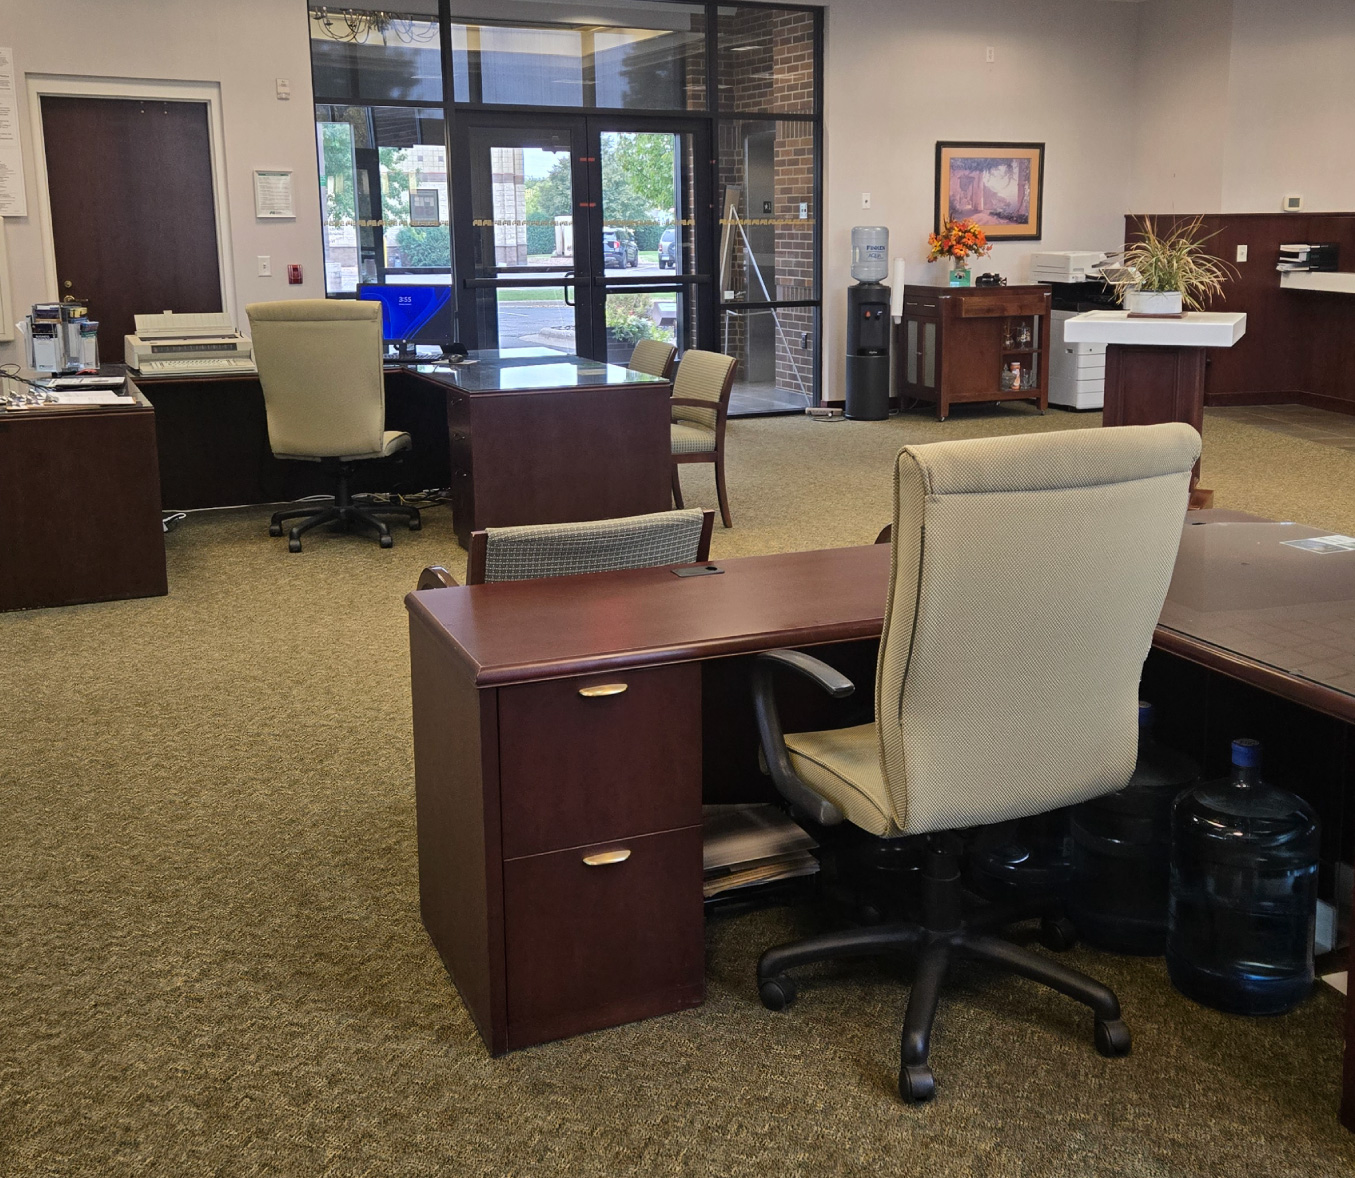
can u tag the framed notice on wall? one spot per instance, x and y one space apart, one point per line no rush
273 194
423 207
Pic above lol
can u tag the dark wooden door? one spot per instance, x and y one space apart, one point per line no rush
133 219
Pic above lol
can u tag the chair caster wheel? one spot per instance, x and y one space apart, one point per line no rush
415 525
916 1084
1058 933
1112 1038
387 542
293 545
777 993
275 529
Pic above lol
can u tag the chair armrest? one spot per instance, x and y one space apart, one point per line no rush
773 737
694 402
436 577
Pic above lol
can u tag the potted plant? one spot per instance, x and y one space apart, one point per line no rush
958 241
1164 273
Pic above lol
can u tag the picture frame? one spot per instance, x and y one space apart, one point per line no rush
998 185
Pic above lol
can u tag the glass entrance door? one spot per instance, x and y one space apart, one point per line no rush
578 234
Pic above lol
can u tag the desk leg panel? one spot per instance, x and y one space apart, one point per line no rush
568 455
456 777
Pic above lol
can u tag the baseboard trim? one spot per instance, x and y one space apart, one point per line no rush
1312 400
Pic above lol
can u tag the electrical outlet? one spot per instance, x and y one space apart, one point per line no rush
804 210
1242 253
265 266
283 89
865 200
990 54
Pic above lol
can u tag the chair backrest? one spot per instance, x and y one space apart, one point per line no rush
704 376
652 356
598 546
1028 574
320 367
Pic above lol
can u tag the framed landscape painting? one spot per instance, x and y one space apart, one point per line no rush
1000 186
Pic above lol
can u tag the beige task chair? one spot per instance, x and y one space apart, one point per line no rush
653 357
1028 575
598 546
324 393
700 407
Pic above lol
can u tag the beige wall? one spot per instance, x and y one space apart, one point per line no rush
1242 102
902 74
245 46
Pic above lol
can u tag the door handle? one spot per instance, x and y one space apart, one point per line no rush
606 858
565 284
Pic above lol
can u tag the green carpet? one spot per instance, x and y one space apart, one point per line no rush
211 960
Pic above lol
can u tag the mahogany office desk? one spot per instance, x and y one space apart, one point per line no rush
82 505
558 725
523 436
520 778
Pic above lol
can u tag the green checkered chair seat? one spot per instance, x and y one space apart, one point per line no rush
599 546
692 439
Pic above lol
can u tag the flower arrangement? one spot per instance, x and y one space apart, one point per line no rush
958 240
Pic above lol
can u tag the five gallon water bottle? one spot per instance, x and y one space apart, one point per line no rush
1243 892
1121 852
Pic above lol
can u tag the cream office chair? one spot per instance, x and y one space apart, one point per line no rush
597 546
1028 574
324 392
654 357
700 408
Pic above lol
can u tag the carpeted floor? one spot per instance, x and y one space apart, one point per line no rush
211 960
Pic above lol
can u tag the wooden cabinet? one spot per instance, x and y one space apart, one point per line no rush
955 343
559 828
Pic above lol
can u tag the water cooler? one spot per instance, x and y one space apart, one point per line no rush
868 326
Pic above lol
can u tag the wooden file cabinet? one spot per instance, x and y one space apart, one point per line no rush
952 344
559 829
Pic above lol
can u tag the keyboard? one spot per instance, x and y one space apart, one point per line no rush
204 366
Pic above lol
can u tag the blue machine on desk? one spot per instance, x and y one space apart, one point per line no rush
60 338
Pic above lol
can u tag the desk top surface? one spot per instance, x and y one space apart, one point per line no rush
1194 329
1240 588
527 370
516 631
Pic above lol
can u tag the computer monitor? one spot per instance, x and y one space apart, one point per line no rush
412 313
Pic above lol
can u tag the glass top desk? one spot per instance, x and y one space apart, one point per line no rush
541 437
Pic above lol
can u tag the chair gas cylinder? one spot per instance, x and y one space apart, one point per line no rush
1121 852
1243 892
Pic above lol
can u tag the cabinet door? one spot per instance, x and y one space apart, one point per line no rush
920 352
599 757
601 935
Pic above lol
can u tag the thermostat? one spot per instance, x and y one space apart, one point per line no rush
1292 204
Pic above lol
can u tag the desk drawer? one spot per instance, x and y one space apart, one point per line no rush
599 757
590 946
992 306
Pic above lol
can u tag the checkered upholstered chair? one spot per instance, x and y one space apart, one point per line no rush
598 546
1027 577
654 357
325 399
700 406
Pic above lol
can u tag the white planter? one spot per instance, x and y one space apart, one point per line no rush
1152 302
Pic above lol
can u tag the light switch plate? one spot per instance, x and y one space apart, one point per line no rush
865 200
265 266
1242 253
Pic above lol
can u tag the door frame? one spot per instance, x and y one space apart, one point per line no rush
134 89
585 128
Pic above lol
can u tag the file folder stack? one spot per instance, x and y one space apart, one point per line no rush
754 844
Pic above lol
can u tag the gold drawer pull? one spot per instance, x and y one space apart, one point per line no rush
603 689
602 858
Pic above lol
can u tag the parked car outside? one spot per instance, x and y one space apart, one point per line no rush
668 249
619 248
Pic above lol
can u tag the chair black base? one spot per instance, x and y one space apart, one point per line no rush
343 512
943 934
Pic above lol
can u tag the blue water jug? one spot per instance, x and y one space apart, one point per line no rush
1243 892
1121 852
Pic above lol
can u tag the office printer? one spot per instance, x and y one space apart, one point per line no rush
188 345
1066 265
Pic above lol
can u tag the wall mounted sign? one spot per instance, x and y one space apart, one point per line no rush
423 207
273 194
999 186
13 195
